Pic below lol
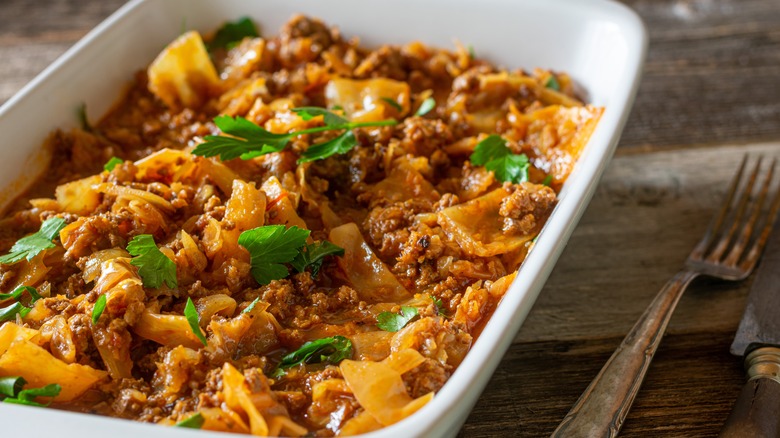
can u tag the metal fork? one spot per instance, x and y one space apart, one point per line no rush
729 250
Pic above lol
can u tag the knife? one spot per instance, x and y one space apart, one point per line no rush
756 413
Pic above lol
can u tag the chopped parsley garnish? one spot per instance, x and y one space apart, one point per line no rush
193 319
19 291
425 107
493 153
312 255
97 310
112 163
329 117
392 322
251 305
547 180
231 34
192 422
330 350
9 313
472 55
393 104
552 83
81 112
30 246
246 140
440 309
11 391
270 247
153 266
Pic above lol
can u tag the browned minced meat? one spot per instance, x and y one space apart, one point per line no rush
527 208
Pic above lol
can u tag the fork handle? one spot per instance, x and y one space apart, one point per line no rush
602 408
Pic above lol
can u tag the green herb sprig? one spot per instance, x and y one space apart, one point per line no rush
251 306
392 322
154 267
231 34
493 153
193 319
440 309
30 246
11 392
552 83
272 246
112 163
98 308
312 255
194 421
246 140
390 101
425 107
9 313
330 350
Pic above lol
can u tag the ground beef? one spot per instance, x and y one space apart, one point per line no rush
527 208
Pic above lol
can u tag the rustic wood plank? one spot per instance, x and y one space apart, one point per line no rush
679 397
711 73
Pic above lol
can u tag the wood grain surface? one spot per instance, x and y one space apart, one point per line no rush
710 93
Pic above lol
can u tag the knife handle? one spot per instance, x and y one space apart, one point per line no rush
756 413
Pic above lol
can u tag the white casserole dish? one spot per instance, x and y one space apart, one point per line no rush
601 44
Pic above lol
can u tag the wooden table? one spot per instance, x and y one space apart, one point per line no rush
711 92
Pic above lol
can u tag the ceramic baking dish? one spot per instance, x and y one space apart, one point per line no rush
601 44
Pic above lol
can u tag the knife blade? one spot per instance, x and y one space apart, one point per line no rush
756 412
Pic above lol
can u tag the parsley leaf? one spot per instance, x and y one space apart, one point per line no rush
493 153
547 180
270 247
392 322
397 106
339 145
154 267
314 254
440 309
425 107
251 305
32 245
112 163
247 140
512 168
193 319
11 391
81 112
98 308
330 350
231 33
9 313
552 83
192 422
17 294
330 118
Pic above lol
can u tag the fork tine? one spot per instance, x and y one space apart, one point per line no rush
755 250
744 196
714 228
757 205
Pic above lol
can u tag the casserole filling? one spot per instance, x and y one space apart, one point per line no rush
288 235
